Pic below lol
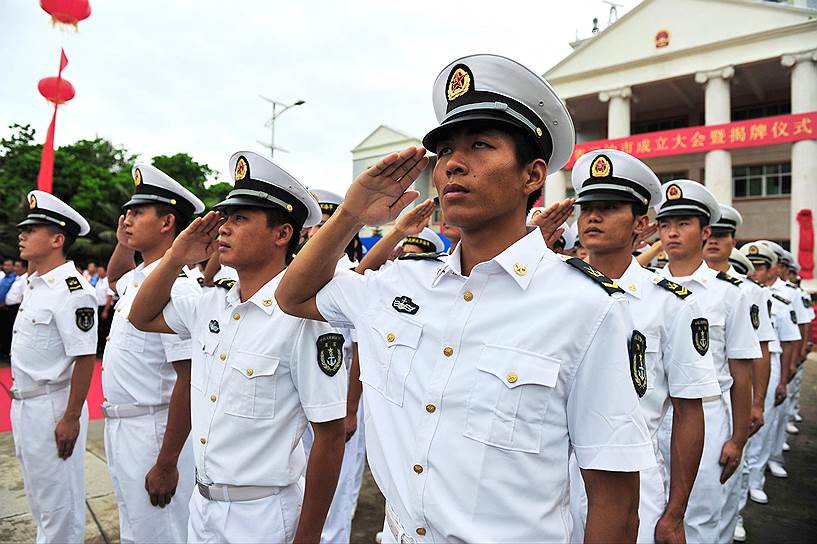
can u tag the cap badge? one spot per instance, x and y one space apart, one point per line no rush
753 250
242 169
539 132
32 202
459 83
674 192
137 177
601 167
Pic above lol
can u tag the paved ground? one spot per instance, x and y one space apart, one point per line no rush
790 516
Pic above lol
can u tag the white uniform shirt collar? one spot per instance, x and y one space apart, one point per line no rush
57 276
264 298
631 280
520 260
703 275
143 271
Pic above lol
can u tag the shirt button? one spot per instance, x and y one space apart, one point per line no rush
421 531
448 351
390 337
236 316
249 372
136 284
418 469
468 296
512 377
430 408
202 440
223 356
213 398
33 320
108 338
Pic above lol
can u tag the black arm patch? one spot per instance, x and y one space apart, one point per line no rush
330 353
675 288
807 302
784 300
729 279
73 284
606 283
638 362
420 257
224 283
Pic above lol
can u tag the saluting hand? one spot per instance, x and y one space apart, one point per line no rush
415 220
160 483
380 193
198 241
551 219
121 237
647 233
66 434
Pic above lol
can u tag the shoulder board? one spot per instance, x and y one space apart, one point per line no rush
755 282
181 274
420 257
200 281
793 286
784 300
675 288
807 302
606 283
73 284
729 279
224 283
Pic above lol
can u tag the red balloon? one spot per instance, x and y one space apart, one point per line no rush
56 90
68 12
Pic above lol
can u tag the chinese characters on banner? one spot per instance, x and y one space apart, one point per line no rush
754 132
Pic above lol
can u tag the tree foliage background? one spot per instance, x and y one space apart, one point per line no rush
93 177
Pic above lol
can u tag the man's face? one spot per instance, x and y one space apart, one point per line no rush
246 242
36 242
314 229
478 178
19 268
101 272
761 274
608 226
142 225
8 266
92 268
719 246
412 248
682 236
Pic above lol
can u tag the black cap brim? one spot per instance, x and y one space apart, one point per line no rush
434 136
241 201
608 196
33 221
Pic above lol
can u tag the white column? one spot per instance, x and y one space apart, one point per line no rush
717 110
618 111
804 152
555 187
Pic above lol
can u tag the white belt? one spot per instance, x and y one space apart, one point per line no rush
396 529
712 398
235 493
21 394
115 411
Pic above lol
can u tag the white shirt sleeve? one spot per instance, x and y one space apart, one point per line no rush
765 332
605 424
689 374
741 340
15 294
323 397
787 329
70 319
180 314
341 302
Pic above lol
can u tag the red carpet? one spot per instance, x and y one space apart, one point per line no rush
94 396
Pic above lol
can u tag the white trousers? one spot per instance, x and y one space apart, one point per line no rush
55 488
708 497
779 436
759 447
272 519
132 445
338 526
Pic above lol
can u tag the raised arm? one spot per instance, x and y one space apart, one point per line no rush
410 224
377 196
551 219
194 244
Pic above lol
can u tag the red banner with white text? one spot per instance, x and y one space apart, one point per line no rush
751 133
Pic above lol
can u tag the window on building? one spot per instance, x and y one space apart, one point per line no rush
669 176
761 110
761 180
640 127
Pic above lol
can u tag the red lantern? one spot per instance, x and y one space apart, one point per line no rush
68 12
56 89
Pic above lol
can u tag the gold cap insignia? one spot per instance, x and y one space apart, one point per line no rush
242 169
32 202
539 132
137 177
753 250
459 83
601 167
674 192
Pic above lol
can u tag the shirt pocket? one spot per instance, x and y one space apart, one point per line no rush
509 398
395 346
42 331
652 356
200 365
251 385
132 339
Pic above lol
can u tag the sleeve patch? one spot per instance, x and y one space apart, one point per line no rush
330 353
225 283
638 362
606 283
793 315
73 284
729 279
754 314
85 319
700 335
676 289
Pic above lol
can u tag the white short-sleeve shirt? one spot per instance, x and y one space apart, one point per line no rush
725 306
15 294
477 388
257 376
759 314
55 324
792 292
784 316
138 365
675 367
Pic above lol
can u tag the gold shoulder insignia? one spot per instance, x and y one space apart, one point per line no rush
784 300
729 279
73 284
755 282
676 289
224 283
606 283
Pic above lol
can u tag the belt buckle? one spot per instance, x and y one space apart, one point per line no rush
204 490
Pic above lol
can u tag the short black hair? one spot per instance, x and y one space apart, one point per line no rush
69 240
275 218
179 224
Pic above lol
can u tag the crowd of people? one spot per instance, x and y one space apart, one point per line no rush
537 382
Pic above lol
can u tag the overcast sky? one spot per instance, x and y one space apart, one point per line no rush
161 77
